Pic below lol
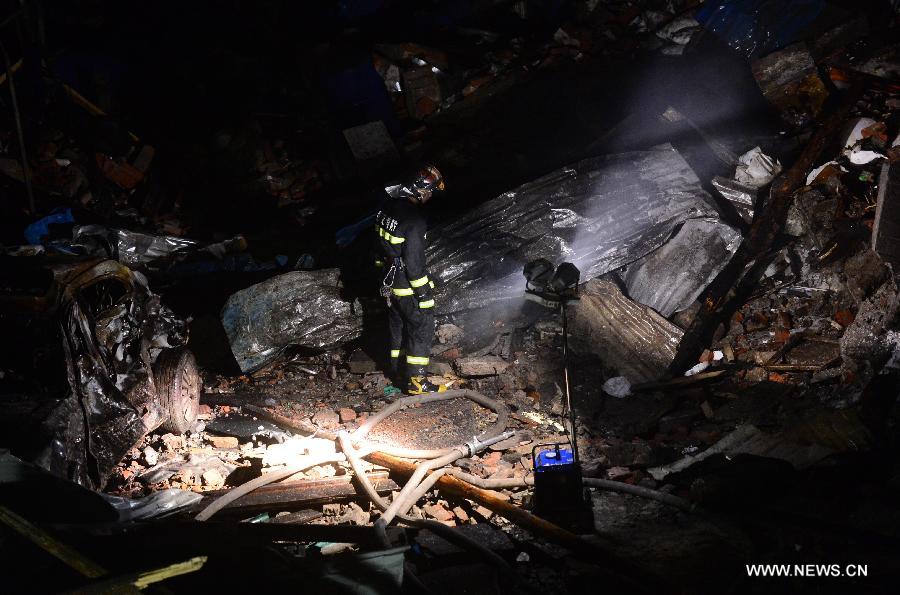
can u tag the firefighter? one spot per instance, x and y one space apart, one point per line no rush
401 227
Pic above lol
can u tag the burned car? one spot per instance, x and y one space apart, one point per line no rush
94 362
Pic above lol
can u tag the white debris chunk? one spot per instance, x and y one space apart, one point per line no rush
756 169
697 369
856 134
618 387
679 30
861 157
295 450
815 173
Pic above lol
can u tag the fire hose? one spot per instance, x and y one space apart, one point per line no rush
433 466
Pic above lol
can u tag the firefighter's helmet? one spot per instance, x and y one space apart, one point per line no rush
427 181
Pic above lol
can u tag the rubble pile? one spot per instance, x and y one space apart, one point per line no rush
730 352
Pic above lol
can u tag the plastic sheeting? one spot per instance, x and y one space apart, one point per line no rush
600 214
132 248
168 257
672 277
302 308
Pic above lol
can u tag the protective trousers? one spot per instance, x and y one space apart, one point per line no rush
412 330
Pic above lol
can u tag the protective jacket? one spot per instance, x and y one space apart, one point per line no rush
401 228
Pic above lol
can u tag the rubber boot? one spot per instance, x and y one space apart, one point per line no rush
420 385
393 372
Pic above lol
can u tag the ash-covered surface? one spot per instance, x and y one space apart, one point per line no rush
431 425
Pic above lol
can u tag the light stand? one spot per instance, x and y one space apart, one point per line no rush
573 439
558 489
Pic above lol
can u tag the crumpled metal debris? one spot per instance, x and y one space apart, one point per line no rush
108 356
131 248
246 428
600 214
302 308
673 276
169 256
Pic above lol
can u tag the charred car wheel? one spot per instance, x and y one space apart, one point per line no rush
178 385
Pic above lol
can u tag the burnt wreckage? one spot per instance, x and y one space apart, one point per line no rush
667 314
95 324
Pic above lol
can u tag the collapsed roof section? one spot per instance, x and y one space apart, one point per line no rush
601 214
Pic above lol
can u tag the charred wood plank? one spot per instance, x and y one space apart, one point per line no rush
299 517
680 382
291 495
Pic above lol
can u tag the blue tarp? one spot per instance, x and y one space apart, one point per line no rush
40 229
758 27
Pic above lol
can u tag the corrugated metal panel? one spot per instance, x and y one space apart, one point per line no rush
670 278
629 337
600 214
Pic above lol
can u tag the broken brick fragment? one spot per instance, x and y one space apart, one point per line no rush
776 377
346 414
223 441
844 317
